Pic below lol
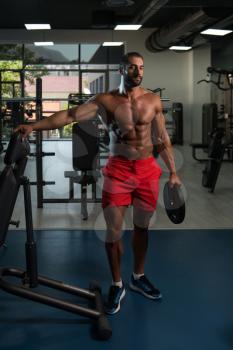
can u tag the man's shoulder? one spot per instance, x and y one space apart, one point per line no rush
151 97
151 94
104 96
113 93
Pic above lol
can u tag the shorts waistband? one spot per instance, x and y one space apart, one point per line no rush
131 161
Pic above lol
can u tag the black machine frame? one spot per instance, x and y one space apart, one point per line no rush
213 166
30 278
39 153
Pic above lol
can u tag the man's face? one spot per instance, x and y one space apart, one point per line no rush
133 72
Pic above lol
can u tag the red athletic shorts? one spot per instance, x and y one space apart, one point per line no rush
129 182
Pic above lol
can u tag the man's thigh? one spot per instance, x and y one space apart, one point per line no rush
145 196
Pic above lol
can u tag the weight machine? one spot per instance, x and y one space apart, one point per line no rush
11 179
221 138
223 77
83 173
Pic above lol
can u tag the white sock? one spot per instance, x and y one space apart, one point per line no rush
118 284
137 276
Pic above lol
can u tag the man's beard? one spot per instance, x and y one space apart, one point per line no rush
131 83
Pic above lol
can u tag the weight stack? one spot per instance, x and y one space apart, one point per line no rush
177 115
209 120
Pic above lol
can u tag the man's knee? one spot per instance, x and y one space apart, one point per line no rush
140 230
113 234
141 218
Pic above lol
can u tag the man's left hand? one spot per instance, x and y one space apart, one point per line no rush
174 180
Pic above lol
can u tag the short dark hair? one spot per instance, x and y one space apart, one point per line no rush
125 58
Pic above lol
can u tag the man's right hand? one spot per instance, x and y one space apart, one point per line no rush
24 129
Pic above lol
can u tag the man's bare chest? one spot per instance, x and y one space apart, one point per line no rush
129 113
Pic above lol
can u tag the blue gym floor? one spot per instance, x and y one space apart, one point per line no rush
193 269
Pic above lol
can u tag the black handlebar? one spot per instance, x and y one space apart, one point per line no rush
219 72
212 70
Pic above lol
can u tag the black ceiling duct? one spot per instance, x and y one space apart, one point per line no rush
177 32
103 19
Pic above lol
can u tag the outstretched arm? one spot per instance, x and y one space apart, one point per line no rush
163 143
84 112
81 113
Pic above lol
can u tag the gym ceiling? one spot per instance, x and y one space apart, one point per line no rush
177 21
70 14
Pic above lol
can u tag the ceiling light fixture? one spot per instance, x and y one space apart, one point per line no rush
43 43
37 26
127 27
180 48
112 43
220 32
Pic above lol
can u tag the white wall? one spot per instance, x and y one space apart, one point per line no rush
114 80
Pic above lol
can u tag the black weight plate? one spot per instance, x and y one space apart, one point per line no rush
174 203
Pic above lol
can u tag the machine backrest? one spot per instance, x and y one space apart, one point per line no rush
85 139
217 144
15 160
